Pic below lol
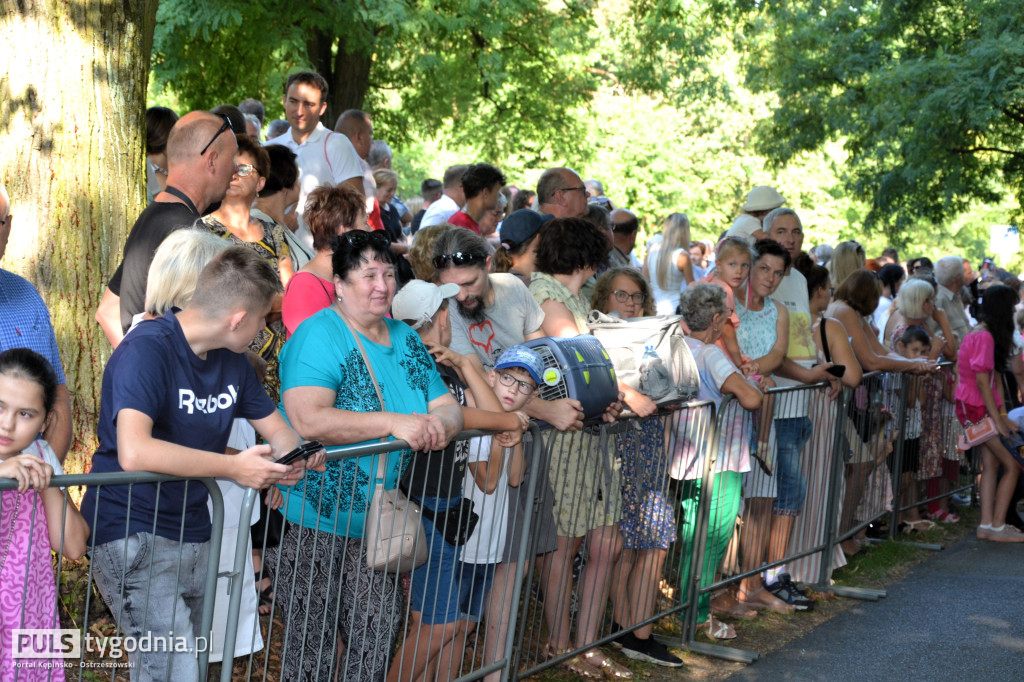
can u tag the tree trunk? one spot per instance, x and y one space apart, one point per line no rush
347 73
73 81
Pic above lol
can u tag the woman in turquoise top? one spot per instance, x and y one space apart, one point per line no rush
328 394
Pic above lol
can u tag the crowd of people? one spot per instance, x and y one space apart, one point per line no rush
276 291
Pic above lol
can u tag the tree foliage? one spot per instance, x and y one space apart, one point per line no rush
503 78
926 95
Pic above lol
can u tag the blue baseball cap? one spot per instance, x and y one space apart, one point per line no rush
523 357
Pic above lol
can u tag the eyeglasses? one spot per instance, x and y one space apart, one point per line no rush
226 125
581 188
244 170
359 239
623 296
458 259
525 387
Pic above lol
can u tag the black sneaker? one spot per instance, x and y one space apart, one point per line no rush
788 592
649 650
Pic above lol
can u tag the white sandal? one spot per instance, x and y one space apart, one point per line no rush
718 629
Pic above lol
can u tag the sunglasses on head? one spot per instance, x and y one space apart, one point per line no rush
358 239
226 125
458 259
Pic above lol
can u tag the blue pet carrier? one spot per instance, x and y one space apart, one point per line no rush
584 372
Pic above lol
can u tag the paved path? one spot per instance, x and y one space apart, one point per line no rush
956 616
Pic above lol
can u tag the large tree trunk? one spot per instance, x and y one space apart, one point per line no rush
72 110
347 73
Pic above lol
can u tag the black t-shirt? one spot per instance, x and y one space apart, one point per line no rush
417 219
440 473
392 223
154 224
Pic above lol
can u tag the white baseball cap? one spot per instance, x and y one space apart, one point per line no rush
417 301
763 198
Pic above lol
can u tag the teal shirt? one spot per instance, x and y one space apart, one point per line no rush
322 352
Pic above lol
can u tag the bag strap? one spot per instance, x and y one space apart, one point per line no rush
824 339
381 459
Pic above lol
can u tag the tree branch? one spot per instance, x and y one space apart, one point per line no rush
974 150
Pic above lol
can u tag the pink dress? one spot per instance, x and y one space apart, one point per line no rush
28 590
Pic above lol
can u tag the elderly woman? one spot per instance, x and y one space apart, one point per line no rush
916 307
648 525
330 393
330 212
587 498
703 309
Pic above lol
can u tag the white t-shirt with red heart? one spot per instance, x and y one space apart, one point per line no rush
507 321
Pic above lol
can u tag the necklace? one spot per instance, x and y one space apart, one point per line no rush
10 533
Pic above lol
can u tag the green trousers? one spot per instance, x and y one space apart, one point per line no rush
725 503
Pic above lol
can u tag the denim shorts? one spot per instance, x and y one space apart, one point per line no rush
475 583
435 590
790 435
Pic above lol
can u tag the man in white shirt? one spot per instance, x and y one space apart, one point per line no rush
452 199
323 157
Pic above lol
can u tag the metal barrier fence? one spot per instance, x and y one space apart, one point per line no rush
608 557
631 527
137 597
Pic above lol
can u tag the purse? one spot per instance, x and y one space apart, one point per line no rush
977 433
393 530
456 524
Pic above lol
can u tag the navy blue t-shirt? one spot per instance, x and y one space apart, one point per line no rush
192 402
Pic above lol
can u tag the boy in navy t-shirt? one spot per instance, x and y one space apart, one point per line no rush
170 393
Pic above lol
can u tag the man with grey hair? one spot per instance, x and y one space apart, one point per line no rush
561 193
949 273
25 323
792 423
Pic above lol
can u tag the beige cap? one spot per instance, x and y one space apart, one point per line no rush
419 300
763 198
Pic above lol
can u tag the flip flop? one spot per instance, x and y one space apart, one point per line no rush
718 629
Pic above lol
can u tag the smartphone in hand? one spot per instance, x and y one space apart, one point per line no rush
303 452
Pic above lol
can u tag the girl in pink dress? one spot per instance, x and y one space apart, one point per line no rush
33 517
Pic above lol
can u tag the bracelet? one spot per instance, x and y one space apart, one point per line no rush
1003 414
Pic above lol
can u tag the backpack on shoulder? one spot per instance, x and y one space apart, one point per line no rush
649 354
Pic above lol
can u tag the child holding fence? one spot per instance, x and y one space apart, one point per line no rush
491 470
35 518
979 395
435 480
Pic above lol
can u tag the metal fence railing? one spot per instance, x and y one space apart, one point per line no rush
634 527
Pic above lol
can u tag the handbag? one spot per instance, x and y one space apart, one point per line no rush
456 524
977 433
393 530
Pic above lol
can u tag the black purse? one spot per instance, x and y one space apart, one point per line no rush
456 524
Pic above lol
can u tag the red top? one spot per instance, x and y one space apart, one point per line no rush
461 219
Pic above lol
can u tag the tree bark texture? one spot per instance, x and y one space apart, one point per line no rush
347 73
73 78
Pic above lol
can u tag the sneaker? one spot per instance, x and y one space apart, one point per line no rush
786 590
943 516
649 650
1005 534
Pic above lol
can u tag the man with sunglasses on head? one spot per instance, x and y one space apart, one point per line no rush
324 157
200 164
561 192
494 311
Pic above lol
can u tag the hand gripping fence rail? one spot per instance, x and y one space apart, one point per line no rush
629 530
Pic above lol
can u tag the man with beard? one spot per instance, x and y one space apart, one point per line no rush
492 312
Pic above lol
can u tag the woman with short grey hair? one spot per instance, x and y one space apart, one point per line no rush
703 309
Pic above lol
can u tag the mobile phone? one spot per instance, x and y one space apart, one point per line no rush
303 452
